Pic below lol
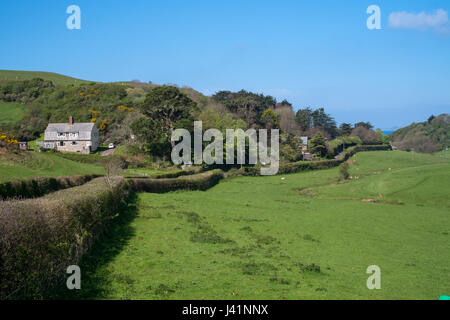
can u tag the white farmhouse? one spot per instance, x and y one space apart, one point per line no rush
71 137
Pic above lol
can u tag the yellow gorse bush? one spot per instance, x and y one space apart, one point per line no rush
94 113
103 125
8 140
123 108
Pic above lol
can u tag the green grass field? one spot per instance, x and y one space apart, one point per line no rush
266 237
11 112
59 79
32 164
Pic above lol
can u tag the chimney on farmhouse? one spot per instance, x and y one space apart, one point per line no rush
71 120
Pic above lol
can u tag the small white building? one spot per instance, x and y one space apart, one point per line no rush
71 137
304 141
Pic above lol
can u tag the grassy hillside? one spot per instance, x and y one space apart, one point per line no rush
429 136
32 164
58 79
11 112
299 236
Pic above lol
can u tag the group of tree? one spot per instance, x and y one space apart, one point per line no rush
428 136
164 109
152 112
247 106
311 121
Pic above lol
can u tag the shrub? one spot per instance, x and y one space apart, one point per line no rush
310 267
343 171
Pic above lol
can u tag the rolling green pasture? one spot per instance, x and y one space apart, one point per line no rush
11 112
32 164
298 236
59 79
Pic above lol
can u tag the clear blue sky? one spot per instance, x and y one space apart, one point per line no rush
313 53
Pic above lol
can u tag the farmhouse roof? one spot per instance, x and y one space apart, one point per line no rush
70 131
65 127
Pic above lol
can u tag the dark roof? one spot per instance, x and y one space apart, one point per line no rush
65 127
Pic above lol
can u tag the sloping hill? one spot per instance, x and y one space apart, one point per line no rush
58 79
11 112
429 136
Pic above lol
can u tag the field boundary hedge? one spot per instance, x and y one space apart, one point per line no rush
317 165
40 238
39 186
180 173
201 181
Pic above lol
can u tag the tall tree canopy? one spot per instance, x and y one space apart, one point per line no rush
246 105
167 105
346 129
165 108
304 118
317 145
366 125
318 119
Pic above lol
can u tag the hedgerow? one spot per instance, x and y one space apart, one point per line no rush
39 186
317 165
179 173
40 238
202 181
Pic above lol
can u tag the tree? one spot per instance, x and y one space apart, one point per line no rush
152 136
287 120
431 118
324 121
269 119
213 120
367 136
283 103
317 145
366 125
346 129
246 105
165 106
383 138
247 109
304 118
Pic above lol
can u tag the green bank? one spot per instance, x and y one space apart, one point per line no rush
298 236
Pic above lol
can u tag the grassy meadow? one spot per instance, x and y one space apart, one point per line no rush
59 79
33 164
11 112
298 236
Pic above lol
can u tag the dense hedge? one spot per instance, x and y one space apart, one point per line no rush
39 186
179 173
317 165
202 181
337 145
40 238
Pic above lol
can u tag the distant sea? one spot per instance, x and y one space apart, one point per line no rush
388 132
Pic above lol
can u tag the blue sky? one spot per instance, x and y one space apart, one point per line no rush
313 53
